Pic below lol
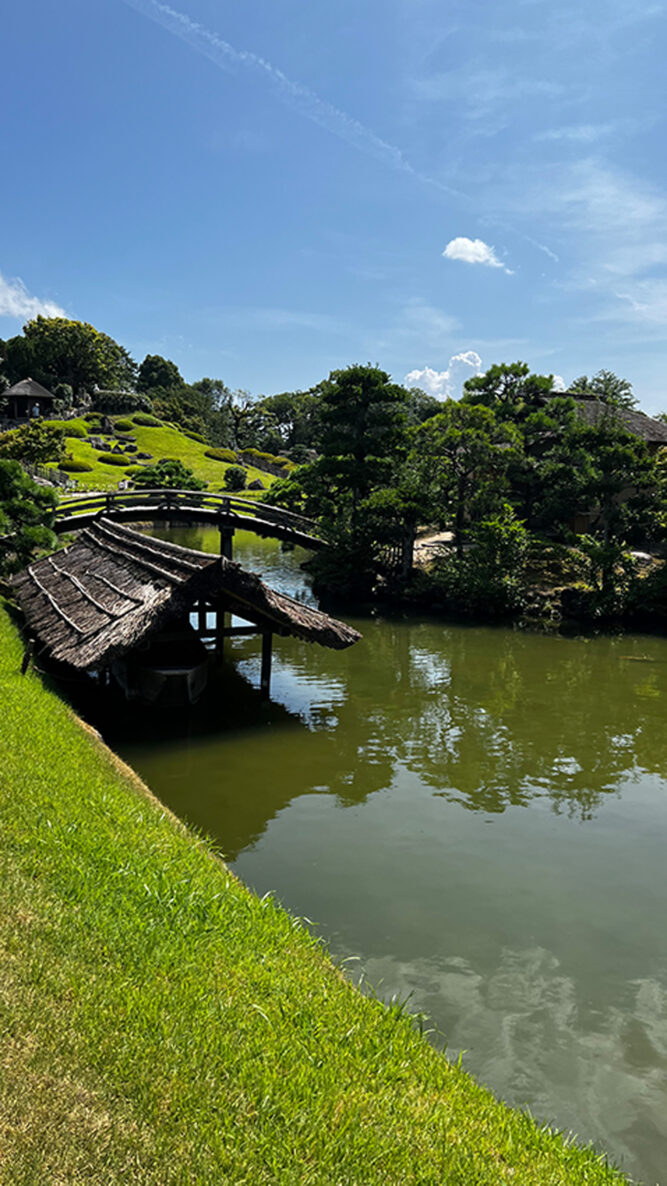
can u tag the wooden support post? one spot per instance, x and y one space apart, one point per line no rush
221 626
226 542
265 681
201 617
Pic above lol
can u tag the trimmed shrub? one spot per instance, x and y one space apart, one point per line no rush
221 455
113 458
169 474
195 436
281 462
147 421
234 478
71 428
123 425
70 466
115 403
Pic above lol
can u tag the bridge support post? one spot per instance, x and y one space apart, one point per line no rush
226 542
267 651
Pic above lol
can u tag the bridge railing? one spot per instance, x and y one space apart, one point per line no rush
226 504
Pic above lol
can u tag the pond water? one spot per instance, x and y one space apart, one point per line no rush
477 817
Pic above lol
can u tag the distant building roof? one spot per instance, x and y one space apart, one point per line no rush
654 432
30 389
99 598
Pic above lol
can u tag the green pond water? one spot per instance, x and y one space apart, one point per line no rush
477 817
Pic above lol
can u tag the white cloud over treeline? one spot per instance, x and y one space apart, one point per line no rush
16 301
446 384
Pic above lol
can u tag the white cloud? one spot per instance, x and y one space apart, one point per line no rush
577 133
474 251
559 383
446 384
16 301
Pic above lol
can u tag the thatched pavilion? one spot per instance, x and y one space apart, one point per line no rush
95 604
28 399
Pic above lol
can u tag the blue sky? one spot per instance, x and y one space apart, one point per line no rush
267 190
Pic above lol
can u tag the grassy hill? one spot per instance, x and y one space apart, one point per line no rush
163 441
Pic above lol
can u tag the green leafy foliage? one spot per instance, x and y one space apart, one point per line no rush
37 442
463 454
168 474
488 579
146 421
123 425
55 350
158 372
113 458
115 403
234 478
227 455
27 512
605 386
70 466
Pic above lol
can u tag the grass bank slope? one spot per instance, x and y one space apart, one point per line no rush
163 1025
162 441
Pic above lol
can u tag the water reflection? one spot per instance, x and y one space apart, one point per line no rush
477 814
542 1041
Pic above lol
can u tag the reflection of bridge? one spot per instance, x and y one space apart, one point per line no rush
223 511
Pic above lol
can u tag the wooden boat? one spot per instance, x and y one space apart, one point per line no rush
170 668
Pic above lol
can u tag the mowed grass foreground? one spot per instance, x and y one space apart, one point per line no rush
161 1024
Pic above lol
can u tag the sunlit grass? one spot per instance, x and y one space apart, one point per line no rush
163 1025
160 442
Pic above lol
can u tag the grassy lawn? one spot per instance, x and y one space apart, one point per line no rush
161 442
163 1025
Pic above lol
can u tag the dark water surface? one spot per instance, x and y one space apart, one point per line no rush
479 815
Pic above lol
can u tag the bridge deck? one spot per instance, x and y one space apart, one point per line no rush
188 506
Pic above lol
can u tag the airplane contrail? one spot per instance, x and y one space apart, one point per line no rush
293 94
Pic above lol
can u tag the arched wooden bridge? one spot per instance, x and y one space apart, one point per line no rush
223 511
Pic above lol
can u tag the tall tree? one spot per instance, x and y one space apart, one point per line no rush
605 386
56 350
364 429
510 389
156 371
464 454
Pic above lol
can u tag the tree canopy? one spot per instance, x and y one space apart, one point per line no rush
27 512
56 350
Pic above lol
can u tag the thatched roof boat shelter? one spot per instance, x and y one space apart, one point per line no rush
95 601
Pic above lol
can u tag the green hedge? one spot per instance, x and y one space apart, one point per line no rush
112 458
123 425
71 428
70 466
195 436
147 421
221 455
272 457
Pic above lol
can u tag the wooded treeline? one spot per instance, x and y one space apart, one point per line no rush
513 469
